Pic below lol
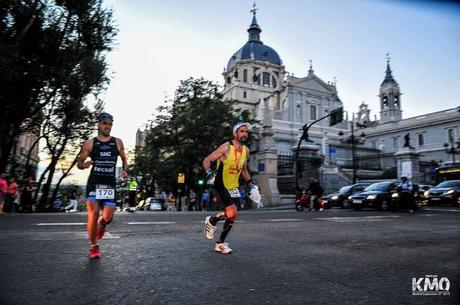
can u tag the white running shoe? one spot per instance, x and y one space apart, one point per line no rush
209 229
223 248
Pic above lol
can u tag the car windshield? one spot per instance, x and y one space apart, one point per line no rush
453 183
345 189
378 187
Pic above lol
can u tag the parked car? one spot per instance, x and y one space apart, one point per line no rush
423 188
340 198
155 204
376 195
447 192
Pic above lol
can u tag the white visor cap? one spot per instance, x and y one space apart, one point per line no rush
241 124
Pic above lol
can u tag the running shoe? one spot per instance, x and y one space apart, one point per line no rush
223 248
94 252
209 229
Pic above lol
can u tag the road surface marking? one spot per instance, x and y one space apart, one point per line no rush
152 223
281 220
441 210
64 235
359 219
61 224
203 221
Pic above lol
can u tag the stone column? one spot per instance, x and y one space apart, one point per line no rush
267 179
407 162
308 153
325 149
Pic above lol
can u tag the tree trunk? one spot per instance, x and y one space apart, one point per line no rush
46 188
29 156
64 175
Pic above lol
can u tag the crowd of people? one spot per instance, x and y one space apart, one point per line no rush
200 200
17 197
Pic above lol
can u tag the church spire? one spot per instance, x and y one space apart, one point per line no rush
390 97
310 71
388 73
254 29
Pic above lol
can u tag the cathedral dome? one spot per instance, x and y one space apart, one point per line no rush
254 49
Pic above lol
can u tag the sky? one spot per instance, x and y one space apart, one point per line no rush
161 43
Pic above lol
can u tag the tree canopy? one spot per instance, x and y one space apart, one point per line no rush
183 132
52 56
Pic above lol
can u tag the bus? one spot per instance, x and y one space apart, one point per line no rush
450 172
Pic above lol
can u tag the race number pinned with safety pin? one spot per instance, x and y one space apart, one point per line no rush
234 193
104 192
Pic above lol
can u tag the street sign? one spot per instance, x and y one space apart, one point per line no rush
261 167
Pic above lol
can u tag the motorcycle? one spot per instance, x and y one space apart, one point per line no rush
406 200
304 202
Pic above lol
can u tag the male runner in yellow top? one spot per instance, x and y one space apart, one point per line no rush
232 158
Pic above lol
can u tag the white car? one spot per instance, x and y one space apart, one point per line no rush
155 204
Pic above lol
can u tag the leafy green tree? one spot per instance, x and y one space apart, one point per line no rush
52 55
185 131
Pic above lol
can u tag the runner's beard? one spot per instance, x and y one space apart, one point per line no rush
105 133
243 139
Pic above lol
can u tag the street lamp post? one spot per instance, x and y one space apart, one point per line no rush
451 149
353 140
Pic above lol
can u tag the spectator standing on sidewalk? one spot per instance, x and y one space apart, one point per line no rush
27 195
171 202
3 192
205 200
12 195
132 195
192 201
246 203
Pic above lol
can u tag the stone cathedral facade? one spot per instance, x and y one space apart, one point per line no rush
256 79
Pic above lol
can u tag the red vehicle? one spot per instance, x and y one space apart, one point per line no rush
304 202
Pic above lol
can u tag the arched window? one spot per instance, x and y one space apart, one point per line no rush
273 82
266 79
313 115
256 79
245 75
298 112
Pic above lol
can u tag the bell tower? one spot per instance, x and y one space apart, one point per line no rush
390 97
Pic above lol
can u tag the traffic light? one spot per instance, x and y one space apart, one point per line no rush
336 116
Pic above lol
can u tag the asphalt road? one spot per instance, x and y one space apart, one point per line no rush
280 257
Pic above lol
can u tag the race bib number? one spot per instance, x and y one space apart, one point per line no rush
234 193
105 192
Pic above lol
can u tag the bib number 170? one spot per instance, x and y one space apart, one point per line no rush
105 193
